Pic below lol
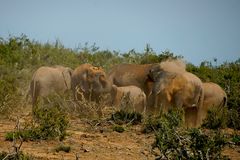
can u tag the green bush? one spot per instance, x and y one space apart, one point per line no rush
236 139
216 119
233 119
27 134
206 146
63 148
51 122
9 96
172 119
18 156
121 117
175 142
118 128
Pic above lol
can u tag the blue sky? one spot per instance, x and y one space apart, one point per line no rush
197 29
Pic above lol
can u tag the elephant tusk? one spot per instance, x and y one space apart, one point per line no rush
194 105
82 89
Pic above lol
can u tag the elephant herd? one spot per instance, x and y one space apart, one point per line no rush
151 88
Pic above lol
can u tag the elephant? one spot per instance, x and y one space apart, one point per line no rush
214 97
176 90
137 74
48 80
131 74
89 82
137 97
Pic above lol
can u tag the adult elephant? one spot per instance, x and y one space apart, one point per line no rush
176 90
131 74
89 82
48 80
137 74
214 97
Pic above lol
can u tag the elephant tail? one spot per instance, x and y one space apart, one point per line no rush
201 98
144 104
65 82
224 102
34 91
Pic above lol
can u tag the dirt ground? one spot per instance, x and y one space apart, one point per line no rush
91 140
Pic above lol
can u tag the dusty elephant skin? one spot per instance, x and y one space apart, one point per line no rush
131 74
178 90
214 97
137 97
137 74
48 80
89 81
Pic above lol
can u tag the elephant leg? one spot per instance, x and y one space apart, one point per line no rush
190 115
200 117
155 101
178 101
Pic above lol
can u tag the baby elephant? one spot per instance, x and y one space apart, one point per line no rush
132 95
48 80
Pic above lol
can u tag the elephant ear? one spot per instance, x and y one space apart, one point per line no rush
70 71
163 80
67 78
114 90
84 85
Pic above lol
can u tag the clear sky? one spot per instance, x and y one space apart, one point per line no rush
197 29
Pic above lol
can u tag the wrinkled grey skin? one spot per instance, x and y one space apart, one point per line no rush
90 82
176 89
48 80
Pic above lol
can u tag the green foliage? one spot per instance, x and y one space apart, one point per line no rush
236 139
9 95
51 122
118 128
152 57
172 119
216 118
206 146
233 119
121 117
18 156
175 142
221 119
63 148
25 135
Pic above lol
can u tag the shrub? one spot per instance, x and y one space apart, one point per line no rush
63 148
51 122
206 146
118 128
121 117
17 156
233 119
178 143
173 118
9 97
215 119
25 135
175 142
236 139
